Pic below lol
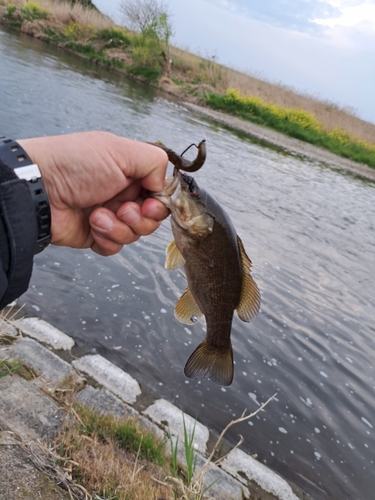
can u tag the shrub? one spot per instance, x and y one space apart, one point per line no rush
31 11
115 37
11 9
76 31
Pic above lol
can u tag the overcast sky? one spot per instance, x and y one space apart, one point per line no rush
325 48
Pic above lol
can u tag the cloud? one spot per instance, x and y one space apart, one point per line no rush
360 14
298 15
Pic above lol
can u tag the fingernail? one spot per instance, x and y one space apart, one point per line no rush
104 222
131 217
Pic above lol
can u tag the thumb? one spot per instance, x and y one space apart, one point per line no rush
147 163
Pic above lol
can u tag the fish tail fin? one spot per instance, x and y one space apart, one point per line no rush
211 362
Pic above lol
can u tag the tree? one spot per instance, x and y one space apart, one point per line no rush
141 15
152 19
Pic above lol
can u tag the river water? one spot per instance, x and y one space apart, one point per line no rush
310 233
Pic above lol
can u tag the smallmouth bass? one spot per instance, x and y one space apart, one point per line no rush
217 271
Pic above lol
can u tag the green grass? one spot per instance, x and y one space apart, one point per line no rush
89 51
190 455
150 74
126 433
114 37
8 366
144 55
293 122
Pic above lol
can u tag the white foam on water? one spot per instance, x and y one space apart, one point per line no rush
365 421
254 398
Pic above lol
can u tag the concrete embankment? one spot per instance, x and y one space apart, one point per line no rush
30 415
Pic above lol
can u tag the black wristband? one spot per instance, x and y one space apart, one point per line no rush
15 157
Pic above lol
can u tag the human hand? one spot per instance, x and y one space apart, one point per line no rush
97 187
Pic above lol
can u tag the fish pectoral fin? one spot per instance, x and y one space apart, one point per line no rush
211 362
174 257
249 304
186 309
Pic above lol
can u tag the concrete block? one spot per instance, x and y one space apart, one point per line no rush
247 469
7 329
104 402
109 376
170 417
28 412
224 486
40 330
52 369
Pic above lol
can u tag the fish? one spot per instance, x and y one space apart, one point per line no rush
218 273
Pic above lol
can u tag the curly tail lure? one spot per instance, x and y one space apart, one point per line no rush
184 164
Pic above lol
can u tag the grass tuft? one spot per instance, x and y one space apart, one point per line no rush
190 455
114 37
127 434
111 457
8 366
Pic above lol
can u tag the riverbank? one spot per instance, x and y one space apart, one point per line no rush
33 414
205 83
288 144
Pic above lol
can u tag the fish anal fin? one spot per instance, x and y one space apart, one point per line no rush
174 257
211 362
186 309
249 304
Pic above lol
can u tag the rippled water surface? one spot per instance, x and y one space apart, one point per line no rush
310 233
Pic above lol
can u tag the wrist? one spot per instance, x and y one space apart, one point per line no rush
15 157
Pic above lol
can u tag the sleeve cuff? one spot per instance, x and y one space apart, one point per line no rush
20 223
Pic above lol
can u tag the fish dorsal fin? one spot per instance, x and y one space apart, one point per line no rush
249 304
186 309
174 257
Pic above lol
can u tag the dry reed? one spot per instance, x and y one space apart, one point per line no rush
105 468
66 12
187 67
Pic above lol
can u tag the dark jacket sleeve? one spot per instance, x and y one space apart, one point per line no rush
18 235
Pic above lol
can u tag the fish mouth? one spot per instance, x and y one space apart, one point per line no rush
186 181
171 189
